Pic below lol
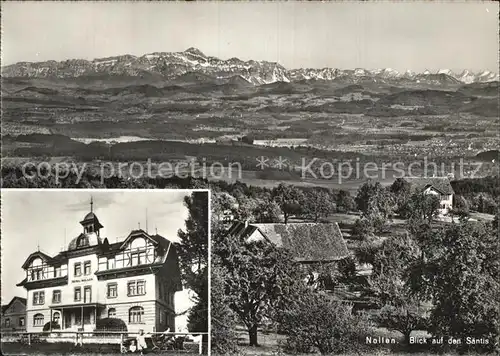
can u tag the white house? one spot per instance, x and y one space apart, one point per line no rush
439 186
133 280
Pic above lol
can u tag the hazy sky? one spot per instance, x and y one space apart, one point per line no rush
411 35
37 217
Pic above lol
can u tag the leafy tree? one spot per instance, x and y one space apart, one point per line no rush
375 202
422 207
362 229
459 275
223 319
401 189
460 208
316 321
387 284
289 198
258 210
317 204
404 318
260 278
193 258
345 201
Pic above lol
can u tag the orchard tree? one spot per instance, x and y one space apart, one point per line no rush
459 275
260 279
422 207
345 201
317 204
375 201
290 199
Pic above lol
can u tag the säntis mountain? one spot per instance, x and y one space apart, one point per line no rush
171 65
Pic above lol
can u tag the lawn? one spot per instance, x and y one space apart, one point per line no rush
269 345
53 349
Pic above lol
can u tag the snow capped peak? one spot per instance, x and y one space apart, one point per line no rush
195 51
445 71
175 64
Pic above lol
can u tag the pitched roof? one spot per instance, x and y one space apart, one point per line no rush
40 254
7 306
441 184
308 242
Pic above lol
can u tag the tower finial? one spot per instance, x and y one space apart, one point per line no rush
91 204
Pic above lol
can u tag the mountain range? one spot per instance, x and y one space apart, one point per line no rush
194 63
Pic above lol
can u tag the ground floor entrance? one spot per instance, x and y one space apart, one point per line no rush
76 317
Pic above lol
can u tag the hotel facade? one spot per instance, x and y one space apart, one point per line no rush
134 280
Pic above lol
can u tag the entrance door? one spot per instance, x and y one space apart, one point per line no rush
67 320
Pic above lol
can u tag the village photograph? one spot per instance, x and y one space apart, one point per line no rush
104 272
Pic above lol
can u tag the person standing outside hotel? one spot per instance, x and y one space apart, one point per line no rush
141 341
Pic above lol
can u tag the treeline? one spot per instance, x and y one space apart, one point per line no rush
479 194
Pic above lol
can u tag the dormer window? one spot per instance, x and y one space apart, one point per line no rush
82 241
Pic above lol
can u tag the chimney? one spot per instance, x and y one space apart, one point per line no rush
246 224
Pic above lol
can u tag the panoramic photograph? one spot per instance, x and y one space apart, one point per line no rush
351 151
104 271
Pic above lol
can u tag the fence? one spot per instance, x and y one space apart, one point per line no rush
94 337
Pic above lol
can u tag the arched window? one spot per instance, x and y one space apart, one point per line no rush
135 315
138 243
56 317
38 320
112 313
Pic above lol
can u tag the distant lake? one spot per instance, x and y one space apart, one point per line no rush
119 139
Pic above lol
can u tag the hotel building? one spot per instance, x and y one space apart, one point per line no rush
134 280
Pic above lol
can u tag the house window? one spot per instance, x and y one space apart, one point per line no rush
36 274
112 290
57 272
135 315
138 258
86 268
136 288
111 263
141 287
21 321
82 241
38 320
87 294
56 296
38 298
7 323
112 313
56 317
78 294
78 269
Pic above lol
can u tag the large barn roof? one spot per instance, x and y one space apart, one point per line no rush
308 242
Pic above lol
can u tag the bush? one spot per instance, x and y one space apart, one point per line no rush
51 325
317 322
111 324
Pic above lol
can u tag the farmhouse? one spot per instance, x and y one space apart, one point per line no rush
14 315
308 242
439 186
134 280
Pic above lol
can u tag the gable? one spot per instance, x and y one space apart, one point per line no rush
307 242
16 306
